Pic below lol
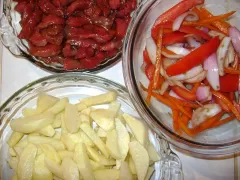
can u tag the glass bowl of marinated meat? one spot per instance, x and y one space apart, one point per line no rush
67 35
181 67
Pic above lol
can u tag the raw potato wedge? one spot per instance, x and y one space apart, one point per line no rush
59 106
125 173
83 162
29 112
149 173
132 166
123 138
140 158
139 130
54 167
80 106
32 123
40 170
47 131
50 152
94 155
71 118
12 152
69 143
86 111
100 99
106 174
14 177
57 121
112 144
104 118
45 101
26 162
14 138
153 155
20 146
13 163
101 132
96 140
85 118
70 169
115 108
96 165
57 144
65 154
57 135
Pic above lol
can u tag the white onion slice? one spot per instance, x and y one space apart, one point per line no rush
211 66
203 93
189 74
168 62
190 16
234 33
173 94
203 113
172 56
215 34
178 44
164 87
151 49
192 42
239 87
230 56
200 77
221 54
178 50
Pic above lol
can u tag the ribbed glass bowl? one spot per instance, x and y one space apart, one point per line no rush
221 141
75 87
9 29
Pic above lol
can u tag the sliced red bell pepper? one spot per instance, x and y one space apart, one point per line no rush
188 30
185 94
229 83
221 103
146 57
172 38
149 71
174 12
195 58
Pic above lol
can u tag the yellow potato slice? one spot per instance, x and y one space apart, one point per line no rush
153 155
29 112
132 166
112 144
57 121
26 162
85 118
94 155
100 99
115 108
59 106
45 101
106 174
71 118
69 143
12 152
57 144
80 106
83 162
50 152
65 154
14 177
14 138
95 165
47 131
101 132
32 123
86 111
94 137
13 163
54 167
140 158
40 170
57 135
70 169
125 173
123 138
20 146
149 173
139 130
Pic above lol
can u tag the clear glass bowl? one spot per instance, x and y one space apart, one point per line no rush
9 29
221 141
75 87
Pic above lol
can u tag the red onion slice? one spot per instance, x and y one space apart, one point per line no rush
188 75
205 112
211 66
234 33
189 16
203 93
200 77
178 50
221 54
152 49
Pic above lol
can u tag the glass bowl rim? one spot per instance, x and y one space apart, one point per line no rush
197 148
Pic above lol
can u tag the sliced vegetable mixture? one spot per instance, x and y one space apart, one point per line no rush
192 63
77 34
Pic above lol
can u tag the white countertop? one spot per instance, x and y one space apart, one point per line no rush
17 73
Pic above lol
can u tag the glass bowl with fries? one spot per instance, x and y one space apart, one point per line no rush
83 127
181 67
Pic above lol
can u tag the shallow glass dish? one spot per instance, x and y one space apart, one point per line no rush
76 86
221 141
9 29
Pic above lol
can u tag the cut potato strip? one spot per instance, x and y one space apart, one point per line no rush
58 106
81 106
71 118
149 173
50 152
15 138
125 173
12 152
45 101
70 169
54 167
106 174
115 108
57 121
65 154
47 131
40 170
96 140
100 99
112 144
13 163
